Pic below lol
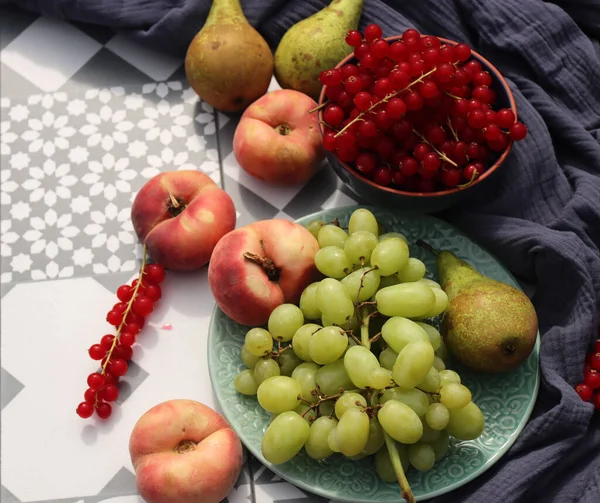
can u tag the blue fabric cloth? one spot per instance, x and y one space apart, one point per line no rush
542 218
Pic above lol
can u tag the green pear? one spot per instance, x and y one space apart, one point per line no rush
315 44
489 326
228 63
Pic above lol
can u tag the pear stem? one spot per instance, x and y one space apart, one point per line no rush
425 245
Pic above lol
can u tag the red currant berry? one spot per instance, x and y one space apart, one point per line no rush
380 49
408 166
123 352
420 150
362 51
353 84
492 132
395 108
594 360
482 79
109 393
133 319
120 307
462 52
367 128
451 177
154 273
471 171
446 55
331 77
140 290
444 73
429 89
142 306
413 101
106 342
372 32
95 381
518 131
499 144
85 410
124 293
96 352
350 69
334 114
365 163
430 57
436 135
596 400
132 328
363 101
398 178
104 410
476 119
354 38
431 162
90 395
110 378
591 378
461 107
383 87
472 67
398 52
127 339
114 318
460 78
475 105
384 148
383 120
482 94
399 79
426 185
382 176
332 93
505 118
584 392
417 68
347 153
329 143
118 367
410 34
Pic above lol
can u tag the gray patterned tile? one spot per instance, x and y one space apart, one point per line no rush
10 388
249 205
121 484
14 85
7 497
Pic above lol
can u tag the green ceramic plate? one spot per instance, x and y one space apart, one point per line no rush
506 400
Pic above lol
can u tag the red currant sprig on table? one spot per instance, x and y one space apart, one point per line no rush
589 389
136 302
416 114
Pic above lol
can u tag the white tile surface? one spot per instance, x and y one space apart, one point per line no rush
336 200
49 52
276 195
154 64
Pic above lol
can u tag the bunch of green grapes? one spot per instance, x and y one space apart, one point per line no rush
354 369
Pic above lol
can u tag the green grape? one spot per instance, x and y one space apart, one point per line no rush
380 378
431 381
265 368
334 302
439 364
284 437
359 246
333 377
433 333
442 351
400 422
326 322
247 357
258 341
414 270
359 363
308 302
409 300
390 256
388 235
314 226
361 284
306 412
389 281
284 320
387 358
448 376
316 446
327 408
349 400
245 383
352 431
414 398
383 463
398 332
306 374
440 305
327 345
437 416
333 262
332 235
441 445
376 438
332 440
454 395
430 283
288 361
358 456
412 364
429 434
466 423
421 456
363 220
279 394
302 338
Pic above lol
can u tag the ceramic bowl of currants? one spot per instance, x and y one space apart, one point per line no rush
415 122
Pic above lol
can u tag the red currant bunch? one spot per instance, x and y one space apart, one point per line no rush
136 302
589 389
416 113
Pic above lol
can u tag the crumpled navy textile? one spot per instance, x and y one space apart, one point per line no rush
541 219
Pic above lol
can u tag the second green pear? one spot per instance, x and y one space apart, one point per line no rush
315 44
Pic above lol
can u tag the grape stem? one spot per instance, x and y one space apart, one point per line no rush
470 182
407 493
364 327
426 246
318 107
375 338
385 100
441 154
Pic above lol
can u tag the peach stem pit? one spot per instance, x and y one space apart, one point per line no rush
267 264
185 446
